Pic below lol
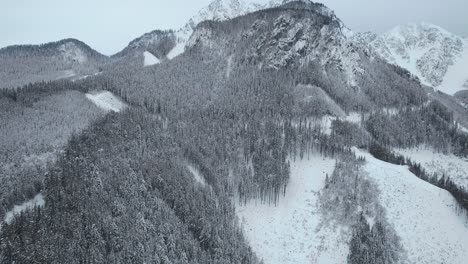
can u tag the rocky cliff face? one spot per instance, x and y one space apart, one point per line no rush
304 36
294 33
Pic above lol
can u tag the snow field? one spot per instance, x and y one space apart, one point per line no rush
423 215
291 232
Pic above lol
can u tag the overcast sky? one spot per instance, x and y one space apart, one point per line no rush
108 25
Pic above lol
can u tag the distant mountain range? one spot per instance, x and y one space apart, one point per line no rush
437 57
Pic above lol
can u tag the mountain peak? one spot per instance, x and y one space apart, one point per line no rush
219 10
428 51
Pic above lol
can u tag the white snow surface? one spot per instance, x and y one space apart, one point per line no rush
457 74
291 232
196 175
106 101
435 162
37 201
150 59
423 215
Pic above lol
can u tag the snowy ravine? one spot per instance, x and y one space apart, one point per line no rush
106 101
423 215
290 232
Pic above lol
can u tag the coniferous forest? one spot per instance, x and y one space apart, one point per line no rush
242 105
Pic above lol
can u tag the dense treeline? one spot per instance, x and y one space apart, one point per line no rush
442 181
126 170
432 124
370 244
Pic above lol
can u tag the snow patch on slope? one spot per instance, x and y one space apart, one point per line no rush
442 164
37 201
456 78
196 175
150 59
291 232
423 215
106 101
178 49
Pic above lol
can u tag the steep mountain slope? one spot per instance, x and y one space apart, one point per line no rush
67 58
438 57
424 216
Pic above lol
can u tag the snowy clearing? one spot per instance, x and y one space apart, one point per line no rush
423 215
106 101
433 162
37 201
150 59
291 232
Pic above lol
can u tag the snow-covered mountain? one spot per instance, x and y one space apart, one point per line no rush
303 34
438 57
218 10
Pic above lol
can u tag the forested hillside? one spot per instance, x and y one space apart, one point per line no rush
36 123
68 58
